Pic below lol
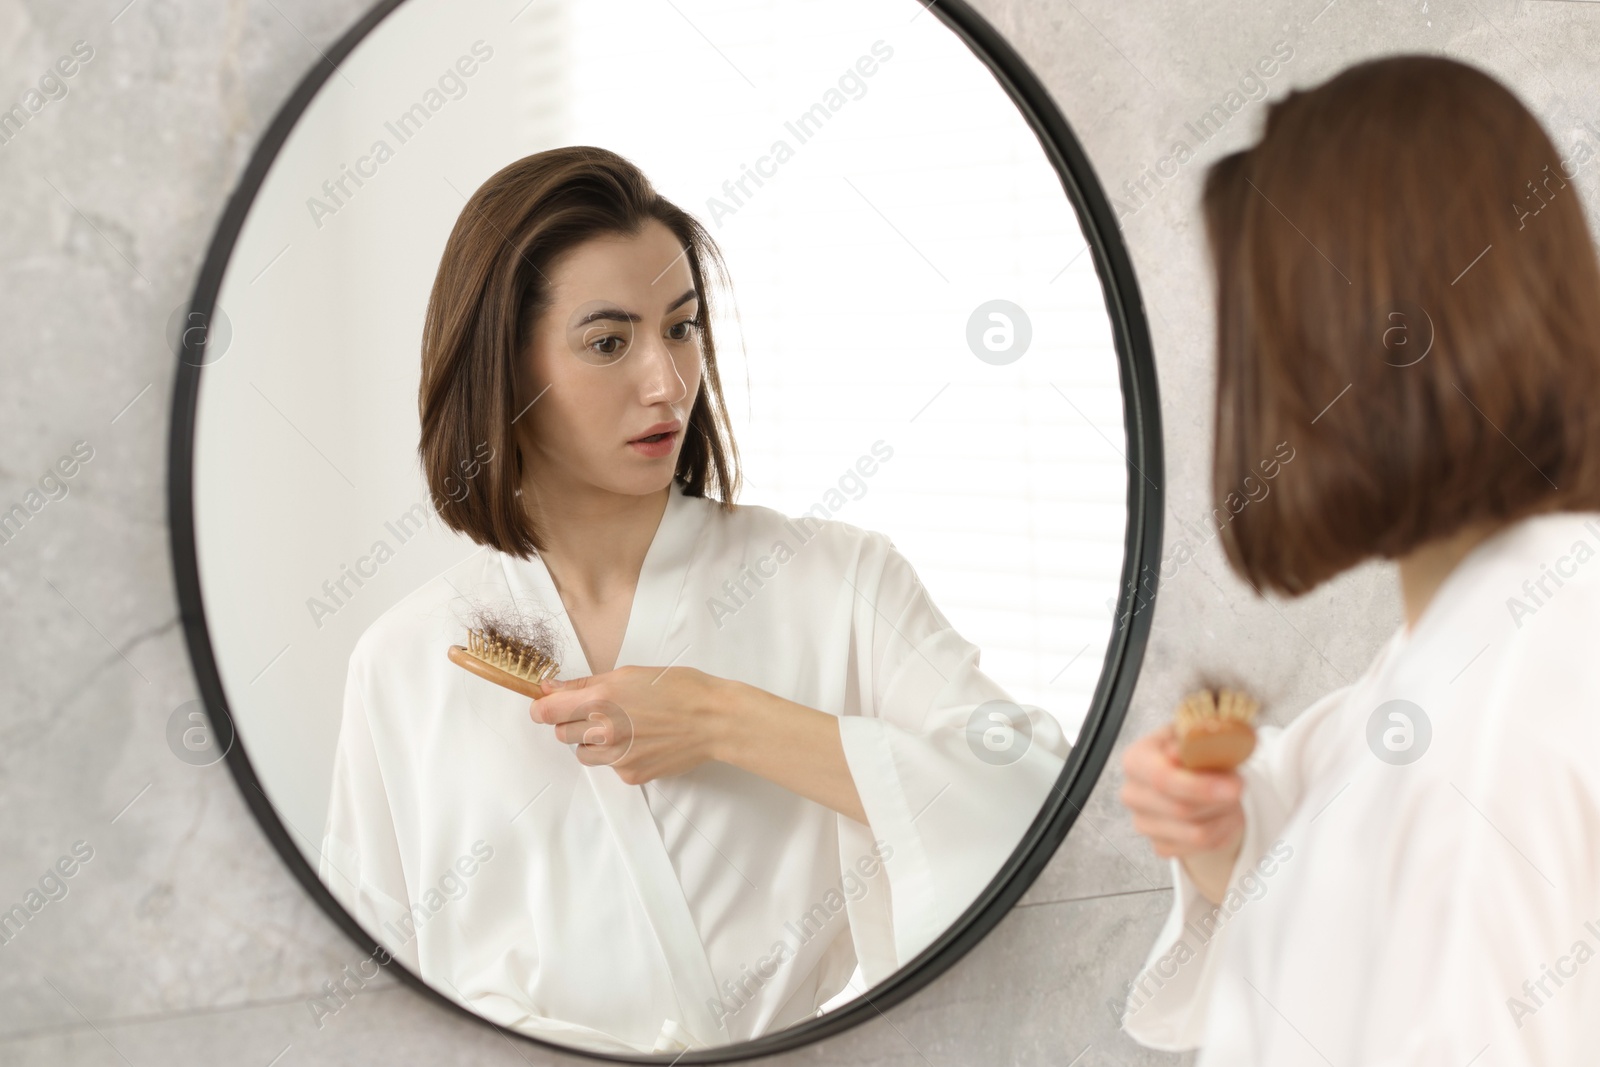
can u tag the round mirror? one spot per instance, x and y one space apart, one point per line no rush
828 487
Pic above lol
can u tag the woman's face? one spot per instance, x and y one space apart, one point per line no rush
615 357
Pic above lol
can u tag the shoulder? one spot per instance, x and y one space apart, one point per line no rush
416 623
1529 598
815 533
1509 675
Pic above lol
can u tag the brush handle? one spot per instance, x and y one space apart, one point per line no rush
490 673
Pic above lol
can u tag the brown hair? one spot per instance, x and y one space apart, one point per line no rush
1408 300
487 296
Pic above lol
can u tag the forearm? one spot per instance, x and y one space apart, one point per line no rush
1211 870
786 743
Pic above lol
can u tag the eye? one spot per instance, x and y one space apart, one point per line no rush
685 330
611 346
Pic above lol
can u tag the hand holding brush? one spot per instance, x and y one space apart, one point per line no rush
1181 787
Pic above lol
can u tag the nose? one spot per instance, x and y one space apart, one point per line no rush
658 369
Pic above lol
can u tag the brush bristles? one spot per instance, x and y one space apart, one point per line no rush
514 657
1225 704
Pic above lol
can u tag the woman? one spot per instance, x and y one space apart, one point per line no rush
777 772
1408 873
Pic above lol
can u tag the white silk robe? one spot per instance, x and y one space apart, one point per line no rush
698 909
1440 912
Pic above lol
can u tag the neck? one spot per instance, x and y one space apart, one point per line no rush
1425 568
595 540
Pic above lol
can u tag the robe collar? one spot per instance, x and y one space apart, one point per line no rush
662 578
654 637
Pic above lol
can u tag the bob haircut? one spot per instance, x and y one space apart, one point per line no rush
487 297
1408 298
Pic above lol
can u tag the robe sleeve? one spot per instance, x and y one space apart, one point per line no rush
947 798
1167 1000
360 860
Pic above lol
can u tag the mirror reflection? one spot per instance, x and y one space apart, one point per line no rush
638 423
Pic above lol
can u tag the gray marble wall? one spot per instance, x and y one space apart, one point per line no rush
183 940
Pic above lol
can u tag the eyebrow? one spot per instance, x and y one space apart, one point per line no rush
628 316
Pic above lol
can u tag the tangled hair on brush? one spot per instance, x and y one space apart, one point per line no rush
517 627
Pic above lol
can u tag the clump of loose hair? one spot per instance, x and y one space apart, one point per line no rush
519 628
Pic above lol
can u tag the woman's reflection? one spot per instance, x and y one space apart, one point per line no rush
787 762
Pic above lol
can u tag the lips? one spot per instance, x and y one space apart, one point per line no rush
658 442
656 432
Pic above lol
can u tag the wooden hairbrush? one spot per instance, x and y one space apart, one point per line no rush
516 653
1215 729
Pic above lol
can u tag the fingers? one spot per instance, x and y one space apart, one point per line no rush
559 708
1181 812
1142 799
567 701
581 732
559 694
610 728
1181 837
631 771
550 685
1152 761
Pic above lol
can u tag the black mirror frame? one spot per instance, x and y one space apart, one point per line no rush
1124 652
